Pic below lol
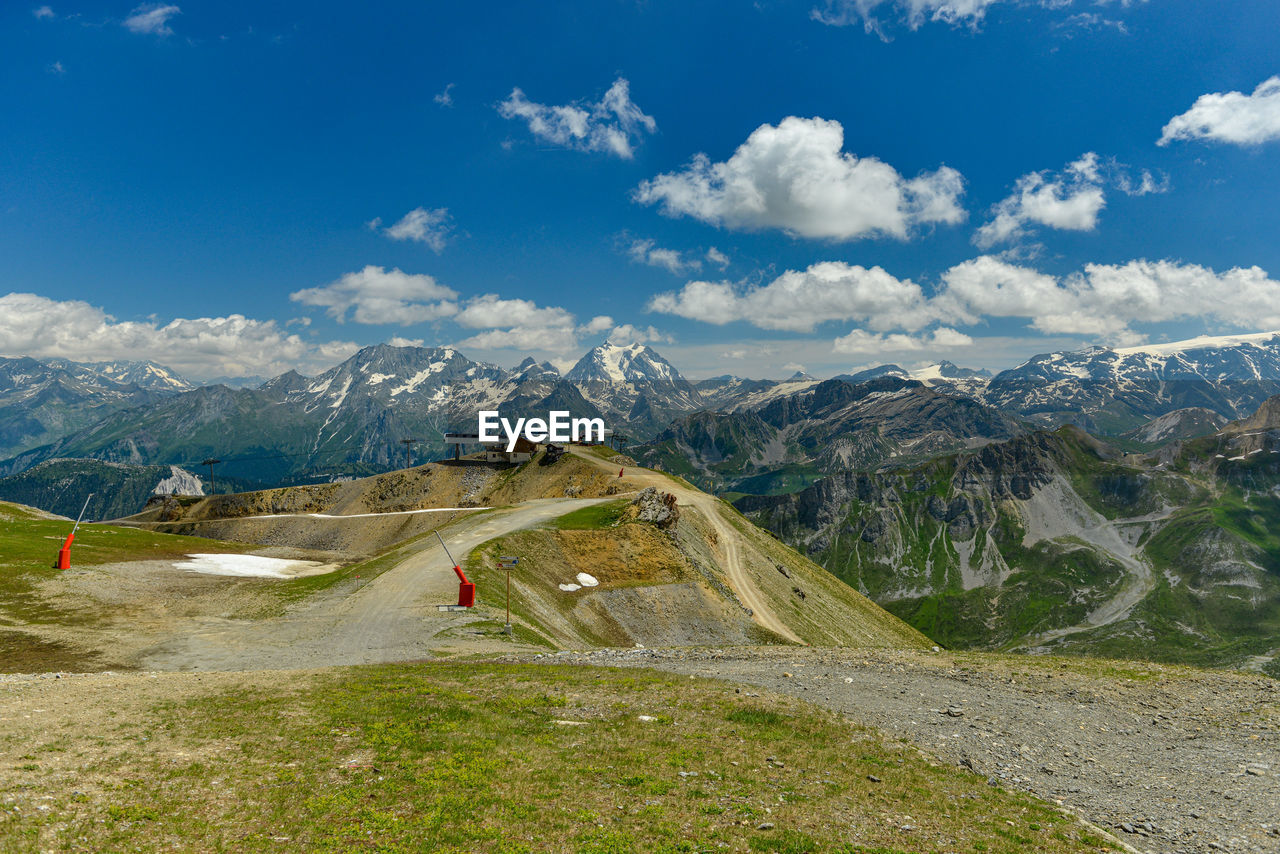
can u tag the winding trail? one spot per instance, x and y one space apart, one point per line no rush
728 537
391 618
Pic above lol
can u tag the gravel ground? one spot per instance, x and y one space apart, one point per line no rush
1169 759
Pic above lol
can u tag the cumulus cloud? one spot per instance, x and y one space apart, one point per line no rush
627 334
520 324
799 300
647 251
430 227
201 347
1070 200
381 296
445 98
1232 117
43 12
151 19
715 256
861 342
796 177
397 341
1104 300
614 124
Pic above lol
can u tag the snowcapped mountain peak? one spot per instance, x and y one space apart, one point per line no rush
617 379
618 364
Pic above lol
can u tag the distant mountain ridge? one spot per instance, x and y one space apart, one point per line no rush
43 400
353 418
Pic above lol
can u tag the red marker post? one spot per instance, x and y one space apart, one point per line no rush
466 588
64 553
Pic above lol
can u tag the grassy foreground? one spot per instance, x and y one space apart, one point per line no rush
484 757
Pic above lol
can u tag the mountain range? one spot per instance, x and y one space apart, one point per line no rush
1059 542
727 433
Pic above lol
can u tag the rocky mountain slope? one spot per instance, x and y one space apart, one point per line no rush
41 401
826 427
349 420
61 486
1055 541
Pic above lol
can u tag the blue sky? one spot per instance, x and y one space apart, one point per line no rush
232 189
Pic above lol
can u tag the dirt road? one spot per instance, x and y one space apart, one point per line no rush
729 539
391 618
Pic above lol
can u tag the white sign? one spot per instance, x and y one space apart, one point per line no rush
557 427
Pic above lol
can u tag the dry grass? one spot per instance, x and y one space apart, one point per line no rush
447 758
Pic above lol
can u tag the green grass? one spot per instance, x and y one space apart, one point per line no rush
29 548
450 758
592 517
28 551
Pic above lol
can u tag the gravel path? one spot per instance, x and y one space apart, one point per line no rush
1170 760
391 618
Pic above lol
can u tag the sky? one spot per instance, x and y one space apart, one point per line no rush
236 189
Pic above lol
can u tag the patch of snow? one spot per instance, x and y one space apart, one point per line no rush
247 566
375 379
341 395
569 588
587 580
1201 342
418 379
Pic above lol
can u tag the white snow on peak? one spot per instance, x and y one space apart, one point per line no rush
419 378
927 375
1201 342
375 379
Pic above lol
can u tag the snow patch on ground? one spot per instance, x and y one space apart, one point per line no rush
569 588
250 566
587 580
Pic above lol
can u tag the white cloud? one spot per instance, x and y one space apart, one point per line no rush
843 13
799 300
1232 117
151 19
43 12
648 252
1068 200
430 227
628 334
382 296
397 341
861 342
1101 302
797 178
613 125
518 324
57 68
445 98
970 13
200 348
715 256
598 324
1104 300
